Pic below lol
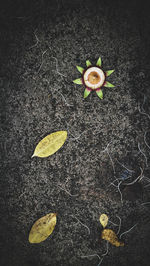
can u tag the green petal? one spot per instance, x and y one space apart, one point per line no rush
80 69
109 72
86 93
100 94
88 63
99 62
78 81
108 85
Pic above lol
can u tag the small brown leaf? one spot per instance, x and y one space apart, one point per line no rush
110 236
103 220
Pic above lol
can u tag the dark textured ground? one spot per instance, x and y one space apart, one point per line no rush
36 100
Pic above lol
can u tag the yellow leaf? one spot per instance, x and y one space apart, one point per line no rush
103 220
50 144
110 236
42 228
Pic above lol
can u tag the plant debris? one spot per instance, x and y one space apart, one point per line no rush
110 236
42 228
50 144
103 220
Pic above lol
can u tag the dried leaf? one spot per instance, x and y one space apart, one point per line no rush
42 228
110 236
50 144
103 220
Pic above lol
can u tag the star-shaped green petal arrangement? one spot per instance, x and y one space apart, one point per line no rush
94 78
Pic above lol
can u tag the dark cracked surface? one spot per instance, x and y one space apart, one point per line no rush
41 43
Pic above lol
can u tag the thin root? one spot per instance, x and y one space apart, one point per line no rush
106 150
138 178
143 112
42 61
144 203
57 67
37 41
64 99
128 230
145 140
142 154
75 138
118 187
81 223
92 255
103 255
132 171
119 224
62 188
107 245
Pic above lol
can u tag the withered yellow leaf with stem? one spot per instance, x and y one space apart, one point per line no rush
42 228
103 220
110 236
50 144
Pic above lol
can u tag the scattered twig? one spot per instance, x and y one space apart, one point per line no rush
103 255
120 191
127 230
112 183
92 255
37 41
138 178
100 261
68 240
57 68
132 171
64 98
119 224
143 111
81 223
75 138
142 154
118 187
145 140
21 17
112 223
106 147
106 150
62 188
61 95
147 185
143 102
146 178
144 203
107 244
41 61
21 195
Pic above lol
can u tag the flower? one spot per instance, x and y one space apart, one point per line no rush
94 78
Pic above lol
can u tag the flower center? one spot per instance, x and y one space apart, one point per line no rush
94 77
